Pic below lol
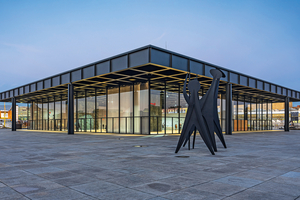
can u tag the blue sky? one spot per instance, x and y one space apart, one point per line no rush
42 38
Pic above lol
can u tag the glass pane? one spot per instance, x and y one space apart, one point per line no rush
157 110
247 116
241 110
126 109
45 116
90 111
80 123
172 105
141 110
39 115
183 109
113 110
51 116
101 110
57 121
253 115
234 113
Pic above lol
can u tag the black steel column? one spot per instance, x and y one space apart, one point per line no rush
149 105
133 115
178 109
48 118
42 115
96 112
27 114
37 114
13 117
77 122
267 117
70 109
237 114
287 114
54 111
271 115
32 117
165 102
61 113
85 109
106 127
228 120
251 126
119 108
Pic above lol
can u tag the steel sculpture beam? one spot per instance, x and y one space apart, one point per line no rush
202 115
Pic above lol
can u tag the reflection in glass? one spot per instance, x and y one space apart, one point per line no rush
80 123
141 110
157 109
45 116
172 104
101 110
126 109
113 110
64 115
90 111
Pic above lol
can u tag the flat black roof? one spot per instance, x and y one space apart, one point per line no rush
158 65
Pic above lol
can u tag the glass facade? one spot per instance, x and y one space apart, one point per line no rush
126 109
141 92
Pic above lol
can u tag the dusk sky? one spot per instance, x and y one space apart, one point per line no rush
42 38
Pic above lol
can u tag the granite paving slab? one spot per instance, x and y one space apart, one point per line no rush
238 181
47 165
95 189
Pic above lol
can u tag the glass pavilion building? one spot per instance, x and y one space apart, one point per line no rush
140 92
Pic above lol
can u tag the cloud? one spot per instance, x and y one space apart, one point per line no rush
158 39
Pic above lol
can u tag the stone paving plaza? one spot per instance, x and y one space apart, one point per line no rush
52 165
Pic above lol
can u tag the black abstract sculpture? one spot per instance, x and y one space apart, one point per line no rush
202 115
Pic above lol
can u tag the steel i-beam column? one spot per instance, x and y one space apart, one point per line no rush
286 114
70 109
13 117
228 120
